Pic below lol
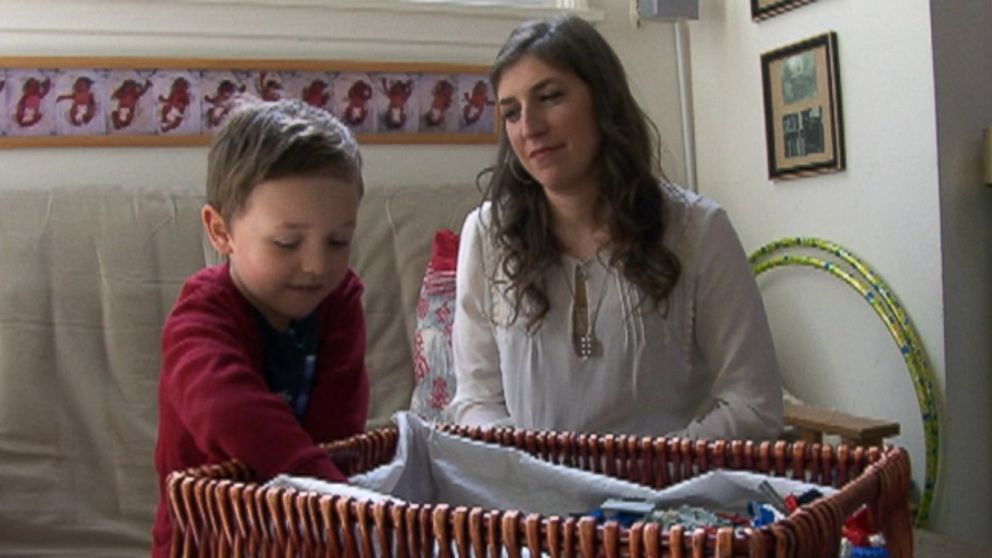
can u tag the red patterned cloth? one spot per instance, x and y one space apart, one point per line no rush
434 377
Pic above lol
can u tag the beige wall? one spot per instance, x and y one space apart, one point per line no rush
649 57
310 29
890 207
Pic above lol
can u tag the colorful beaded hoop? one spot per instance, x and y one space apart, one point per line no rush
881 298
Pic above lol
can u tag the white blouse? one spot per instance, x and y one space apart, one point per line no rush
703 365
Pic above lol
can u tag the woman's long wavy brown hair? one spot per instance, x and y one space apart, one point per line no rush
630 199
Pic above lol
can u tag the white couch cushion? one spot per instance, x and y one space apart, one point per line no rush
87 276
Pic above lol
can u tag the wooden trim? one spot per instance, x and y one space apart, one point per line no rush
269 64
813 422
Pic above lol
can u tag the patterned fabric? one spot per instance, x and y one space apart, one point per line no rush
434 375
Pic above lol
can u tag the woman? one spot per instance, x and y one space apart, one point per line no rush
590 295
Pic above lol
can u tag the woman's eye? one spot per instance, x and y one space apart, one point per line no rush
551 96
511 115
339 243
285 244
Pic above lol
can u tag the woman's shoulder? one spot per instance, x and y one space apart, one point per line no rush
482 213
478 222
685 202
686 213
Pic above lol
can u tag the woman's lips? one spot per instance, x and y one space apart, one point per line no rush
542 153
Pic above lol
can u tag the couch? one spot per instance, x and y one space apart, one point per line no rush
87 276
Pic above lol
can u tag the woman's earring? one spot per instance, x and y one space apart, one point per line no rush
510 159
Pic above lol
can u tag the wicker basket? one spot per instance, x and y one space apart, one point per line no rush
218 510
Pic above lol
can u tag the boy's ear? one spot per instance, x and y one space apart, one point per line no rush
216 229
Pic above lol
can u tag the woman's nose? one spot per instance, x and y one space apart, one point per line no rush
534 121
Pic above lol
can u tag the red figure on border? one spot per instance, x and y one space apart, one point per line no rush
398 93
268 89
358 97
476 104
316 93
29 106
126 97
174 106
442 95
220 103
83 107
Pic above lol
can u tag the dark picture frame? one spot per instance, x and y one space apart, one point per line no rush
803 114
764 9
126 102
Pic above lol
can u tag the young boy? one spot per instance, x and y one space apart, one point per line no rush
263 355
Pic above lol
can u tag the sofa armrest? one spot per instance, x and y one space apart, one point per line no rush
810 423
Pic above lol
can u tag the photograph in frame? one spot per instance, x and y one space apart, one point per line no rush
764 9
803 116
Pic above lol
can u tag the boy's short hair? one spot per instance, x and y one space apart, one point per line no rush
263 141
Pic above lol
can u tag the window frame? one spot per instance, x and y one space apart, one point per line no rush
498 8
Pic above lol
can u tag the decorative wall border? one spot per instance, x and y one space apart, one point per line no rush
122 101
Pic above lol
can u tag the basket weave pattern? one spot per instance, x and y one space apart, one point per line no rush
218 510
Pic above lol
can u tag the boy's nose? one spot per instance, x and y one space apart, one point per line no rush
315 262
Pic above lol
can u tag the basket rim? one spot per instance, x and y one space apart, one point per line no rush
209 476
218 505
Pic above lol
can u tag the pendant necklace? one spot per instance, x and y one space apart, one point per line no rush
583 323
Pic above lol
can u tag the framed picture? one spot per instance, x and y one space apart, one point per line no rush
112 101
803 120
763 9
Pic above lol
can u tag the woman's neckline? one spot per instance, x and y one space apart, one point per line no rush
601 256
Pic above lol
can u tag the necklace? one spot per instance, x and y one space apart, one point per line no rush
583 323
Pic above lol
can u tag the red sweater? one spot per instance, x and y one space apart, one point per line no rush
214 404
